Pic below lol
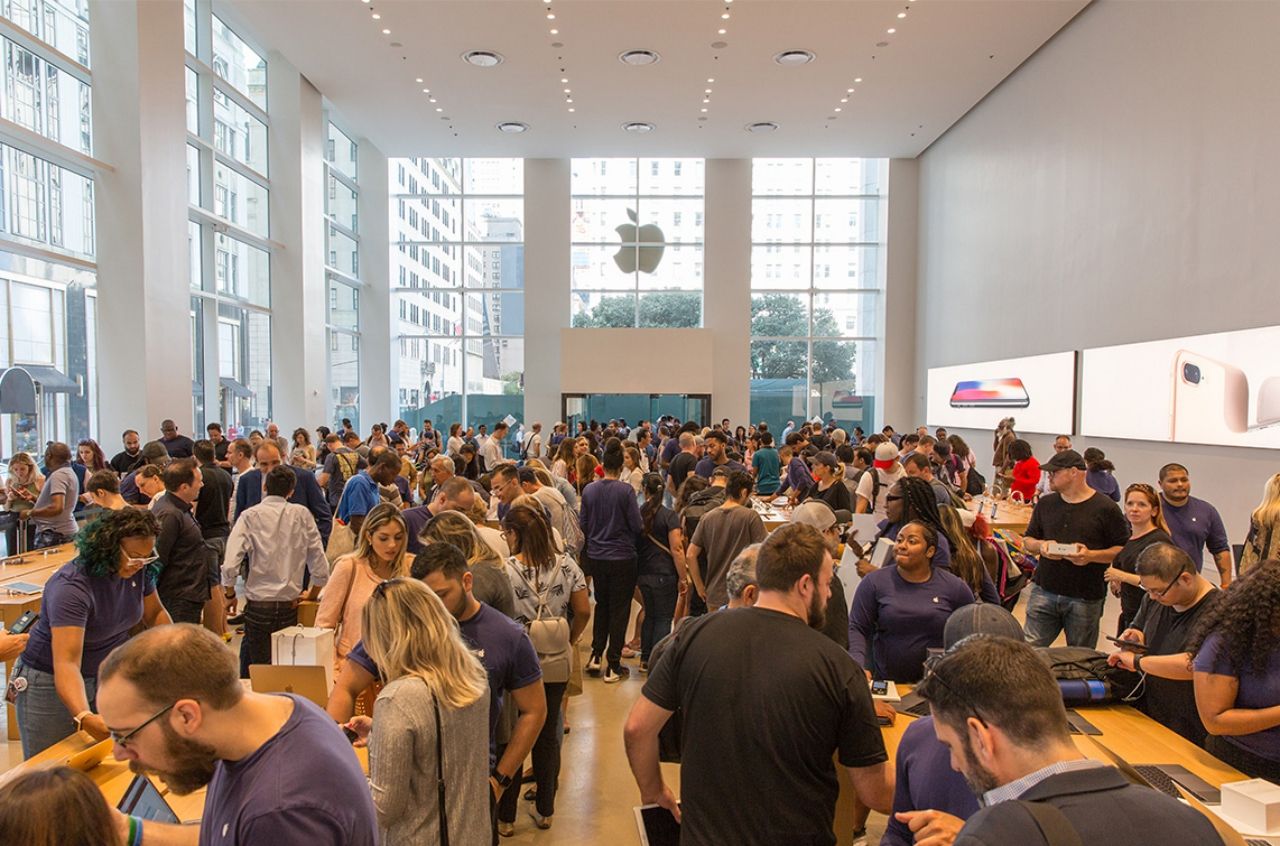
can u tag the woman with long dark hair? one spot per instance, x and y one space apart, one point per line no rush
1236 659
611 524
90 455
663 574
1098 475
911 499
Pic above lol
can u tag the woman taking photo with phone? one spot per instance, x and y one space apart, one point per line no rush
90 604
429 740
20 494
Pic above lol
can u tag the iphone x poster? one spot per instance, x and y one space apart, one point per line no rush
1037 391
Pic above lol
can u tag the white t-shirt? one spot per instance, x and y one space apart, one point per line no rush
866 485
535 445
491 452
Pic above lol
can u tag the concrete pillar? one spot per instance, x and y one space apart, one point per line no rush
139 119
377 360
547 284
903 406
726 297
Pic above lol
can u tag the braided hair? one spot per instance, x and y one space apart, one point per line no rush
920 504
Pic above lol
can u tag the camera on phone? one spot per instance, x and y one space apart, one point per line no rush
1191 373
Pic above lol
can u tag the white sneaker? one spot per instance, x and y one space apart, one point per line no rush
540 821
860 837
612 676
593 665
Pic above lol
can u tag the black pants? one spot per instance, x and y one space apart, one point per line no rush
615 584
261 620
546 761
183 610
1252 765
660 594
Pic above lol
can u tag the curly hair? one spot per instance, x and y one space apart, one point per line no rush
1247 618
99 541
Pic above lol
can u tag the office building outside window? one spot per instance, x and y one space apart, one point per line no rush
48 270
228 227
457 283
817 271
637 236
342 269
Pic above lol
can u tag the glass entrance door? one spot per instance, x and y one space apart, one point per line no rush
633 408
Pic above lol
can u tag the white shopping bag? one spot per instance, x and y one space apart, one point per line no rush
304 646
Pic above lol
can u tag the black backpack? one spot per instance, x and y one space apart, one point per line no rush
975 483
1078 663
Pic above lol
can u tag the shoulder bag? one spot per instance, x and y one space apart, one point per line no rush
549 634
444 818
1054 826
1254 551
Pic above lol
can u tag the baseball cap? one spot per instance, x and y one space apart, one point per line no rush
886 454
1063 460
980 618
827 458
814 513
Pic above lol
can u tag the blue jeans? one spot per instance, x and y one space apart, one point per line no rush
42 718
1049 613
660 594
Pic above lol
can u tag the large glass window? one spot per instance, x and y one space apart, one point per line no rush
228 224
47 245
342 228
457 276
637 235
817 258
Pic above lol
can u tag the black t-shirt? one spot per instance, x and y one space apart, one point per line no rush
220 450
122 462
1127 560
214 502
179 446
837 496
767 701
1166 631
681 466
1097 523
653 560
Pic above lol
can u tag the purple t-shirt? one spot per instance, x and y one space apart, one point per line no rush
1255 691
925 780
415 520
610 519
502 646
304 785
106 607
902 620
1194 526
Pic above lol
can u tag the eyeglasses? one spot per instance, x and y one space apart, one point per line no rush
142 562
123 739
892 497
931 675
1159 594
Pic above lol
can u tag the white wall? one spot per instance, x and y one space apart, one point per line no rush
1123 185
608 361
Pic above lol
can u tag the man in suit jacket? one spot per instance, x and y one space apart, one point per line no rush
305 492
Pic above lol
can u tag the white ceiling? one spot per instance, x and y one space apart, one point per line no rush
945 56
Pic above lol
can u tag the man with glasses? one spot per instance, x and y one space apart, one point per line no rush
1194 523
277 769
504 485
1011 742
1062 443
1071 588
1176 598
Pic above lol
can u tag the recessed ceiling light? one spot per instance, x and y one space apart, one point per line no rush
570 109
901 15
725 16
364 1
793 58
639 57
891 30
638 127
567 91
377 17
513 127
418 80
426 91
551 16
386 32
565 80
555 32
482 58
438 109
848 91
721 31
433 99
704 110
710 79
838 109
844 99
707 91
856 79
761 126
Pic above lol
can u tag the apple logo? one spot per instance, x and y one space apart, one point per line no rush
648 255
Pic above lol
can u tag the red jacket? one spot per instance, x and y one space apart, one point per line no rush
1026 475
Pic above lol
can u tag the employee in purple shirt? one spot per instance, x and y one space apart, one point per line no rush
278 770
926 788
899 611
1194 523
89 606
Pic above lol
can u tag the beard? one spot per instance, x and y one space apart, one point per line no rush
191 764
817 616
979 778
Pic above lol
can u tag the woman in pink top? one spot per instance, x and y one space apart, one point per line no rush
379 555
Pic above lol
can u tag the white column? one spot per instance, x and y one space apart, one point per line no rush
547 283
903 399
726 297
139 121
299 291
377 363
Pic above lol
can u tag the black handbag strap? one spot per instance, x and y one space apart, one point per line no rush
1053 824
444 819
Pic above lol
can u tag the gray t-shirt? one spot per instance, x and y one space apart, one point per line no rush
61 481
723 533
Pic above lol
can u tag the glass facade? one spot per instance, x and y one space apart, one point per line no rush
228 192
637 240
48 309
342 260
457 283
817 278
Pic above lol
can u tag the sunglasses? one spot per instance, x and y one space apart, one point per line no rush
123 739
381 590
931 675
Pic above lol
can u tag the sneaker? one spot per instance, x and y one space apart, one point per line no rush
540 821
644 668
628 652
506 829
593 665
615 674
860 837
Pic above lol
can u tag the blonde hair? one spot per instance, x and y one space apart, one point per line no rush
380 515
1268 512
408 632
453 527
24 459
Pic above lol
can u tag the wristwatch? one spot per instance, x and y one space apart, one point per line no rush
79 718
1137 663
504 781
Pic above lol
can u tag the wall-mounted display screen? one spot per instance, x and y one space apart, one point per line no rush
1222 389
1037 391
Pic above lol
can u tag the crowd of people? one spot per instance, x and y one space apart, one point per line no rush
461 569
